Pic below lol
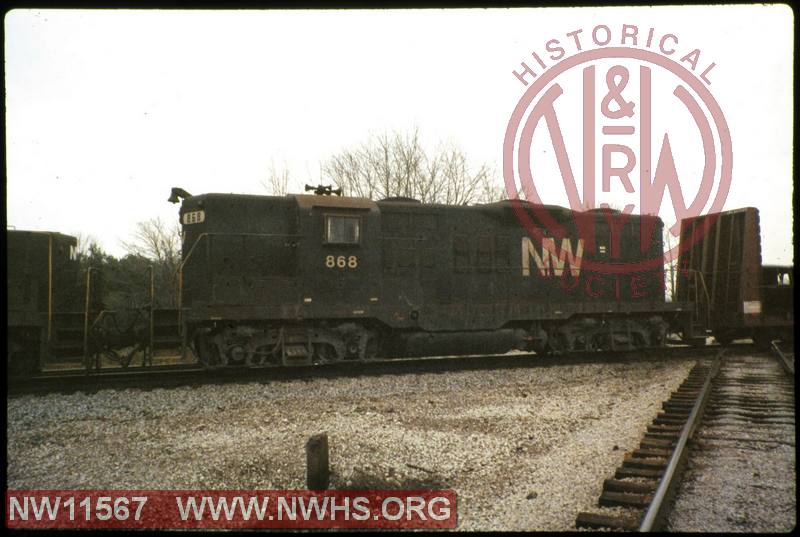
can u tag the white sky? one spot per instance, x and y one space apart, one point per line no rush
106 110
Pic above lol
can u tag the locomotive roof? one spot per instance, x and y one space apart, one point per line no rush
308 201
303 200
44 233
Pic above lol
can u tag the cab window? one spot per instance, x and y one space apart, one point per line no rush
342 229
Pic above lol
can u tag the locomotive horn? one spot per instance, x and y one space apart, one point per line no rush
323 190
176 194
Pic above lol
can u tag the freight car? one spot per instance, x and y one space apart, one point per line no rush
42 275
52 317
304 279
738 296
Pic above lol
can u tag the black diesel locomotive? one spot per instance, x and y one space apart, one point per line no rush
302 279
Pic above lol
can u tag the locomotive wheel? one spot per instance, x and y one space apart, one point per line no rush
723 340
603 342
352 347
557 343
267 355
256 358
207 352
372 348
324 354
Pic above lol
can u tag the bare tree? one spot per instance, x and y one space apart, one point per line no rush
277 181
86 243
156 240
161 244
396 164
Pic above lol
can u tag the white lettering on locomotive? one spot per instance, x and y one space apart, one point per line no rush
550 252
341 261
194 217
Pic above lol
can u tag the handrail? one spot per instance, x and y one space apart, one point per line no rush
99 317
179 272
656 510
103 313
50 290
86 318
148 358
180 285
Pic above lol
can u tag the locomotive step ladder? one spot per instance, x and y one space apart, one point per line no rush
296 349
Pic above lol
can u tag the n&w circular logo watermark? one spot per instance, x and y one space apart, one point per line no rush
616 117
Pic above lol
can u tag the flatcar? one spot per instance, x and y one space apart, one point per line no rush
304 279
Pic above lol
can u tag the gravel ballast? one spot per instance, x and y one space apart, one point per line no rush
741 474
524 449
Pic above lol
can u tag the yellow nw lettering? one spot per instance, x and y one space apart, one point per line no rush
566 253
529 251
550 252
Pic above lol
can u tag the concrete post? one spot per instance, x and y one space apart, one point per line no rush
317 471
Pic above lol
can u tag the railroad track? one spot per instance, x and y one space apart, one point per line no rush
736 386
786 356
743 454
190 375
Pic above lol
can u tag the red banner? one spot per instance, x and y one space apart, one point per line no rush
417 509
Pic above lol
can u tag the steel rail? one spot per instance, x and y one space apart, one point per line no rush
788 365
658 507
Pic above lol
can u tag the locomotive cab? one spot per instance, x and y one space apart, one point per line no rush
254 267
339 260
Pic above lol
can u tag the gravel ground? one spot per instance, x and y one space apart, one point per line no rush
525 449
741 476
